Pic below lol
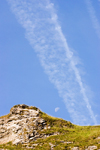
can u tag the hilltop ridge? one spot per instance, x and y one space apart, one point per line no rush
27 127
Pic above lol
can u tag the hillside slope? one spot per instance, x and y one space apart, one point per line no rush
26 127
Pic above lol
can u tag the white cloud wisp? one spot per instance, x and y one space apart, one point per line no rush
46 37
94 19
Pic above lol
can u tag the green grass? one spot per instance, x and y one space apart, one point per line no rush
56 122
5 116
80 136
11 147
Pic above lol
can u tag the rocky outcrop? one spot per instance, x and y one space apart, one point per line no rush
22 125
92 148
89 148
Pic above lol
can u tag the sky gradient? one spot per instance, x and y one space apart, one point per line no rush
50 57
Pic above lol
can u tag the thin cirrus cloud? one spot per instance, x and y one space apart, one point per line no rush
45 35
93 16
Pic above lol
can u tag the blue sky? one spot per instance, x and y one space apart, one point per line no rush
49 57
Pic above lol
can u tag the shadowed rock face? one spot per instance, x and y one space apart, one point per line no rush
21 125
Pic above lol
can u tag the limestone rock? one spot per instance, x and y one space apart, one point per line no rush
21 125
92 147
75 148
52 146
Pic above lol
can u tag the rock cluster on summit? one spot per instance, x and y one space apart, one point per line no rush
21 125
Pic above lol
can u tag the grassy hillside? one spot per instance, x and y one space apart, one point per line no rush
67 136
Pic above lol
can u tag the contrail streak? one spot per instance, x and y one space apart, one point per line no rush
44 33
94 19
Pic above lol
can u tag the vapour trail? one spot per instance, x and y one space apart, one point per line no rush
94 19
44 33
